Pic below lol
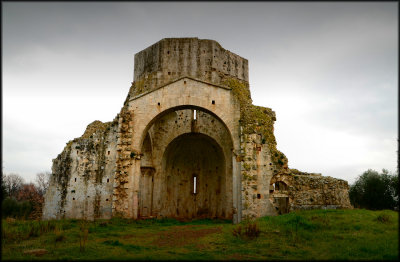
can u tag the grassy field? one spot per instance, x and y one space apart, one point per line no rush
306 235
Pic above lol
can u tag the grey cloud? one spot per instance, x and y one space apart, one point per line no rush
345 53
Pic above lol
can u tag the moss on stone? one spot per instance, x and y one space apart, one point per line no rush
296 172
96 208
143 84
95 127
121 172
246 166
256 119
93 144
100 171
246 176
69 144
62 172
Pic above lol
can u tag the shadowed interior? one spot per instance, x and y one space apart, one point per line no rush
188 160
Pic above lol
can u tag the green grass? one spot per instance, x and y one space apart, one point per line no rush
306 235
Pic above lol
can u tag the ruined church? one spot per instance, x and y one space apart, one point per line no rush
188 143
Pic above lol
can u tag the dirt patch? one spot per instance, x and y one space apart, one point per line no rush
10 220
36 252
236 256
202 246
128 236
183 235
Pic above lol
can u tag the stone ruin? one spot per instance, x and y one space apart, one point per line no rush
188 143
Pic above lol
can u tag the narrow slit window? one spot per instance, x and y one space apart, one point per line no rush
75 179
108 180
108 152
194 114
194 184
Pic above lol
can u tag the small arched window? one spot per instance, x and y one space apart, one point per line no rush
280 186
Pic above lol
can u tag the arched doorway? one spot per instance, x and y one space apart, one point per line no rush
193 170
186 167
279 196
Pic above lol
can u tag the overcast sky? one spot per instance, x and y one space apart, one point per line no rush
328 70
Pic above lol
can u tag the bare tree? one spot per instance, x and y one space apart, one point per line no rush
30 192
42 182
12 183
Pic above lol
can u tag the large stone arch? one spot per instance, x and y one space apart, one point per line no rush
168 126
176 108
228 141
187 93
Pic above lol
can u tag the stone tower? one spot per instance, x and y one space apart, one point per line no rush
187 143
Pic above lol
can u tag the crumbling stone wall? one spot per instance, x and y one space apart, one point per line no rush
56 193
123 162
310 191
259 156
263 164
82 182
256 174
110 170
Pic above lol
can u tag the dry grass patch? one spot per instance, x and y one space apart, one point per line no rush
183 235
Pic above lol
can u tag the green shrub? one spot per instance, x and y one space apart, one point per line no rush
237 231
34 229
13 208
103 224
112 243
58 235
383 218
375 191
249 229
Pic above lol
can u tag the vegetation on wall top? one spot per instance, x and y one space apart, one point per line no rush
256 120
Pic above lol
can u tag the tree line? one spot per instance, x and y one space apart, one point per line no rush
372 190
375 191
23 200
